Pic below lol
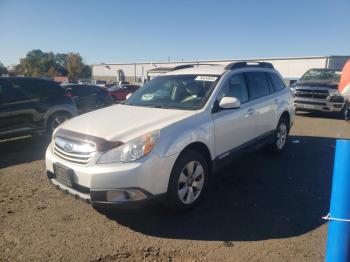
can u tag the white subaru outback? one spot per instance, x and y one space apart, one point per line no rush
171 135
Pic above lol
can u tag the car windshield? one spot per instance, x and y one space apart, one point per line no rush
322 74
177 91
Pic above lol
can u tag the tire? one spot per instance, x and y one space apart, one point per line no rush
280 136
55 120
345 112
184 191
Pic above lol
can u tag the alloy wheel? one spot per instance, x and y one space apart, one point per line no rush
281 135
191 182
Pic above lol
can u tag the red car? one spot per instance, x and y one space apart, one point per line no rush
119 92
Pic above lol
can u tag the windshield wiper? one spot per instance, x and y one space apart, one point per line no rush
151 106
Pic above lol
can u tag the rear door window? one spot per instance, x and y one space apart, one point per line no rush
258 85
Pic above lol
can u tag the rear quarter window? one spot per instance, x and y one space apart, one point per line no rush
54 88
277 82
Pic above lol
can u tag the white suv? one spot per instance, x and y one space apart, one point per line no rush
171 135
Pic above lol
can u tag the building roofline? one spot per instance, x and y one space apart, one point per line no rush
222 60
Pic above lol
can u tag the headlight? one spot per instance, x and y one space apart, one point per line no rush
293 89
131 151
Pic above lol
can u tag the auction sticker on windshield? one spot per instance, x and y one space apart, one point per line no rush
147 97
206 78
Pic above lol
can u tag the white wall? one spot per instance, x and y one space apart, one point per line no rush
288 67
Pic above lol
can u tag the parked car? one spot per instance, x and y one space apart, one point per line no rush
344 88
117 84
100 83
120 92
170 136
88 98
317 90
30 105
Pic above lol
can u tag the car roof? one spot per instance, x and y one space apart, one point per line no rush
199 70
218 70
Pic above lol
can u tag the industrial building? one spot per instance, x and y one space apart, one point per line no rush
291 68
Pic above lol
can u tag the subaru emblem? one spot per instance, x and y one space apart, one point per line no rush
68 147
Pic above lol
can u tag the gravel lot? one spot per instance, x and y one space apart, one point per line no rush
261 208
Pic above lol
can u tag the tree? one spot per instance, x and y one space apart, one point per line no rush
3 69
36 63
61 64
41 64
86 72
75 65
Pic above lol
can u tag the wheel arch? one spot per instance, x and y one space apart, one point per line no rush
286 115
203 149
50 113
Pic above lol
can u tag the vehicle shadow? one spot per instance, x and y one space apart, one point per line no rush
259 196
326 115
23 150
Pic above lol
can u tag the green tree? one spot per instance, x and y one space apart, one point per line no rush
75 65
3 69
36 63
86 72
41 64
61 64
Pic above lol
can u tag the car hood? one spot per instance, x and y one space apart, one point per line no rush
317 83
123 122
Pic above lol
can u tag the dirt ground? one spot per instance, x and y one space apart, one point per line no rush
260 208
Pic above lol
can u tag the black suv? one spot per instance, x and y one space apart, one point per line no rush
30 105
88 97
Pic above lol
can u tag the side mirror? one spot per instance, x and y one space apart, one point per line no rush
229 103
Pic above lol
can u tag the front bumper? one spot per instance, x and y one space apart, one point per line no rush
324 105
149 175
97 198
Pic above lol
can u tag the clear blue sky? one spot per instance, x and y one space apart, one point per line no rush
130 31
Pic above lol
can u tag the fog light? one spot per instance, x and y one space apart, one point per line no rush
125 195
336 99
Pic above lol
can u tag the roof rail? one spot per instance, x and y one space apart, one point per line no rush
188 66
237 65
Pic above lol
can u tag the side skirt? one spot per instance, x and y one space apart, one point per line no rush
226 158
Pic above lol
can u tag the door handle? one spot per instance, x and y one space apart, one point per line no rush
250 111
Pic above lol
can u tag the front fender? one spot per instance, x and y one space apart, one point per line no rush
198 128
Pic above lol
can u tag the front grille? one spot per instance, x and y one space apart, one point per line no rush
312 93
77 152
310 103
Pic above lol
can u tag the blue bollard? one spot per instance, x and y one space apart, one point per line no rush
338 242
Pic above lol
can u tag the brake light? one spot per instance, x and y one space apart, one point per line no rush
68 94
109 93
